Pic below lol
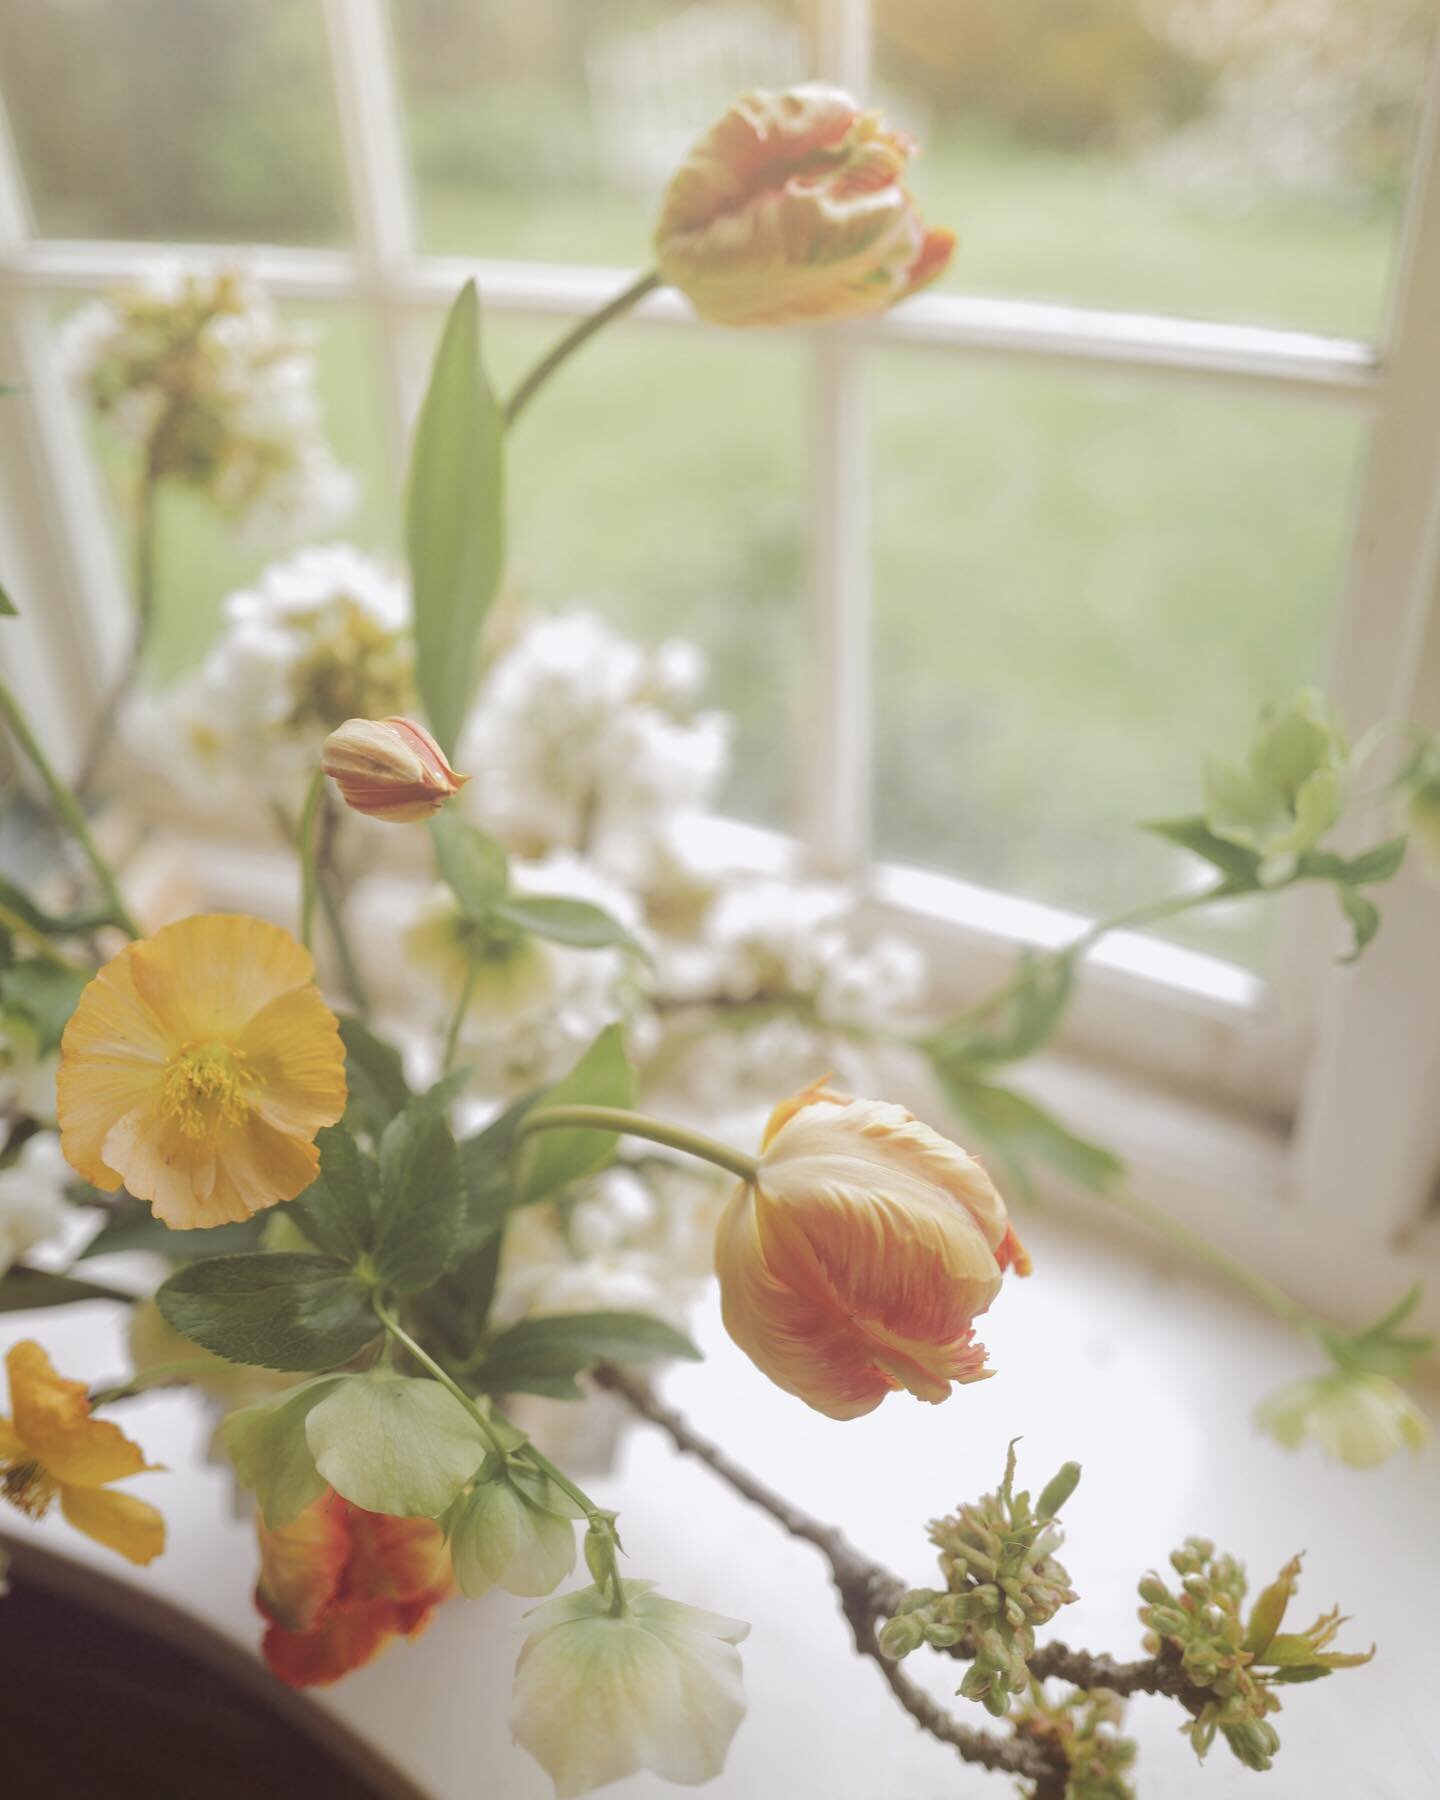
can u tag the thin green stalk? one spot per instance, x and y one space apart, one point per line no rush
69 809
147 496
21 927
1273 1298
181 1369
446 1380
462 1006
573 339
327 878
305 849
634 1124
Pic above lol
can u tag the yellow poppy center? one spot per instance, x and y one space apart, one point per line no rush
29 1486
205 1086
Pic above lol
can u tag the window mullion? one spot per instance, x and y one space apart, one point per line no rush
1369 1128
377 174
58 560
833 752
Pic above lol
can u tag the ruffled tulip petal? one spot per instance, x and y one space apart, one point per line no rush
51 1418
348 1639
301 1564
119 1521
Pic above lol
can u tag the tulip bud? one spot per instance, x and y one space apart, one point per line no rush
860 1256
791 209
389 769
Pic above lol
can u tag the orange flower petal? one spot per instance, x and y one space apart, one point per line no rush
206 977
119 1521
293 1052
112 1056
301 1565
406 1560
51 1416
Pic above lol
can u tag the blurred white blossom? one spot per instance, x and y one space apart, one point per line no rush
198 372
320 638
27 1075
582 740
33 1207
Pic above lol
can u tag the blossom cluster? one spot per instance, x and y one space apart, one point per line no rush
199 373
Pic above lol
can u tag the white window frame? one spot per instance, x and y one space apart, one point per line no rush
1306 1100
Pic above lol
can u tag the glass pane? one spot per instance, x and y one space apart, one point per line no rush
200 556
547 131
1215 158
659 483
190 119
1083 586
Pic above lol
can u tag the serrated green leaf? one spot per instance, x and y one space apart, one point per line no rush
130 1225
395 1444
374 1078
286 1311
1020 1022
454 519
1239 866
271 1454
553 1159
45 994
8 608
1018 1131
24 1290
337 1211
1364 917
473 865
420 1198
573 922
1380 864
543 1356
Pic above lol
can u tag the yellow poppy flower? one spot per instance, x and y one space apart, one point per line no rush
197 1069
51 1448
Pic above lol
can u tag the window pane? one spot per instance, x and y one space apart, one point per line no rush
547 130
1083 586
200 557
659 483
190 119
1214 158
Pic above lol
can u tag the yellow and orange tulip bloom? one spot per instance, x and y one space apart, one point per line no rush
791 209
197 1069
337 1584
390 769
51 1449
860 1257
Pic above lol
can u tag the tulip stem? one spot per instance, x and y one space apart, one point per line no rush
69 809
574 338
305 848
634 1124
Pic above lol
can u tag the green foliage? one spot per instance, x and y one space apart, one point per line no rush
337 1211
544 1356
270 1452
374 1077
8 608
575 922
473 864
394 1444
26 1290
1019 1132
1238 1662
52 924
44 993
1001 1581
1381 1348
502 1537
1020 1020
454 519
553 1159
1083 1726
1291 787
130 1225
421 1201
285 1310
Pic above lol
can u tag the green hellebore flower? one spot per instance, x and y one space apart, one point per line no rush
1291 787
499 1537
1357 1418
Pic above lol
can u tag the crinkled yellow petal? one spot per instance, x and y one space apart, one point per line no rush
206 977
194 1183
294 1056
12 1445
52 1418
119 1521
112 1059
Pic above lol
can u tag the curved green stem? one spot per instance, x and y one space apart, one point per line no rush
68 808
573 339
1273 1298
21 927
442 1375
180 1370
305 848
634 1124
462 1006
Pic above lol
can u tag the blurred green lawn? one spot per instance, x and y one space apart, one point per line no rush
1082 582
